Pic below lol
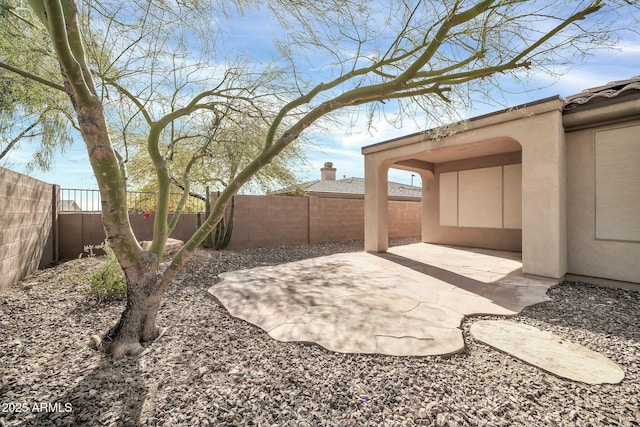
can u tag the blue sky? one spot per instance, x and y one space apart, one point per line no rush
343 147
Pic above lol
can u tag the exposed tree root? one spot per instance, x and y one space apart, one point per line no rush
95 342
121 348
163 331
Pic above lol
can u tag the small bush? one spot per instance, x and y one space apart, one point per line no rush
107 283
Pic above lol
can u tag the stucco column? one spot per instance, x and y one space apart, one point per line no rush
376 212
544 229
429 201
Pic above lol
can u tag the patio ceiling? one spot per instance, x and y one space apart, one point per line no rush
428 153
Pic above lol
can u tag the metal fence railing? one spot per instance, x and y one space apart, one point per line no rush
77 200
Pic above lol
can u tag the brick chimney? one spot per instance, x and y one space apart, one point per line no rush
328 172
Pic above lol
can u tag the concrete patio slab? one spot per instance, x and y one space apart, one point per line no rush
409 301
548 351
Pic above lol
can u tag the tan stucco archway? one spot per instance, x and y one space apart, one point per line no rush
531 135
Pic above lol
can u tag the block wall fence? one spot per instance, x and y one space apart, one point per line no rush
34 233
270 221
28 225
259 222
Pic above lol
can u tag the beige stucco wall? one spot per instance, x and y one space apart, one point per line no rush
588 255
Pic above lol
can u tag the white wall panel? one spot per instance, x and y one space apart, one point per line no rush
617 172
480 197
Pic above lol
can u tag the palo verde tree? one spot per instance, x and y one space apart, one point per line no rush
213 157
215 154
409 53
30 111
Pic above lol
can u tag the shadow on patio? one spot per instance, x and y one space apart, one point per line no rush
409 301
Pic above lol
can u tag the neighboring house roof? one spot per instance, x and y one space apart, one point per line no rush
69 206
349 187
609 92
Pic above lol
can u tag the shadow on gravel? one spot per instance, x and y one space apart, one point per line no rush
598 309
107 394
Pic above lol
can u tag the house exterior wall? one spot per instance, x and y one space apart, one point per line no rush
27 225
603 201
544 195
469 199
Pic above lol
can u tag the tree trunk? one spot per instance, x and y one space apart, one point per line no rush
137 324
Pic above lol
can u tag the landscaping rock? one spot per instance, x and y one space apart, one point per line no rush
170 248
293 384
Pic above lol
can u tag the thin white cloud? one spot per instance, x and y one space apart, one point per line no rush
19 157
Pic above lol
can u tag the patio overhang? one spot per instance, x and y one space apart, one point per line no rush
522 145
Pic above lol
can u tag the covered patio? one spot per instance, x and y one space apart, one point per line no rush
496 181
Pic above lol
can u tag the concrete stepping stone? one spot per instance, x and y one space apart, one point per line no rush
548 351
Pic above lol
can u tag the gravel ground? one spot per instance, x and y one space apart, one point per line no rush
211 369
